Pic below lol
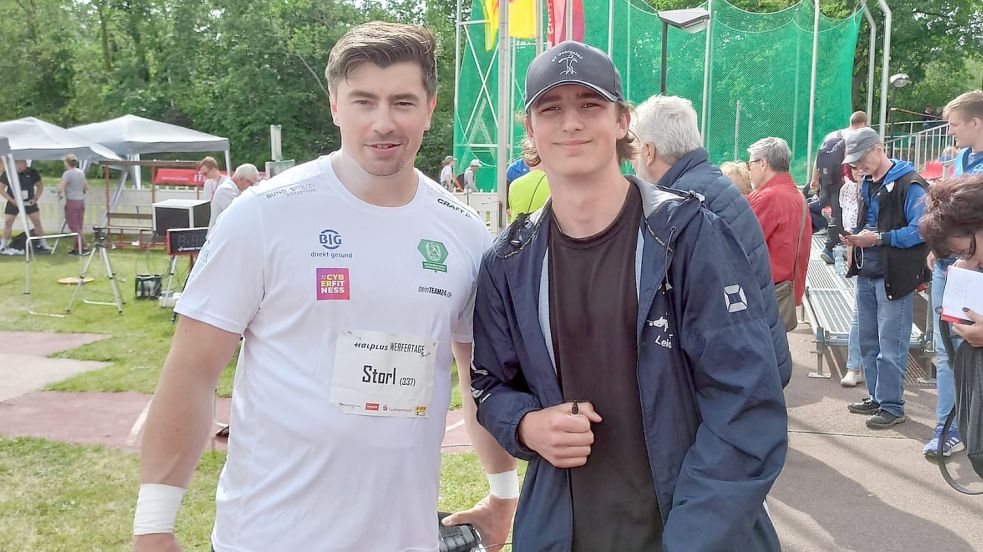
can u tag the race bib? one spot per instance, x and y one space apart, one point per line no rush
383 374
25 194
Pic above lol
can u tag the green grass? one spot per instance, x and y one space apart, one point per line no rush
58 497
62 497
140 337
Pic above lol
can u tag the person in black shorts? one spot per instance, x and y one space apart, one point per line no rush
31 190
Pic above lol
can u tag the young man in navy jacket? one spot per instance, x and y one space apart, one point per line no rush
622 346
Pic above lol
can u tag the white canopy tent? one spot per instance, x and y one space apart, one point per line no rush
34 139
131 136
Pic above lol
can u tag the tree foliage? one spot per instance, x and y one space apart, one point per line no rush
234 67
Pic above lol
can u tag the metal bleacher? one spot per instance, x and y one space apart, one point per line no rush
829 303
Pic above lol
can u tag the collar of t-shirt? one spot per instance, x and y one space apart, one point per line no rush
973 158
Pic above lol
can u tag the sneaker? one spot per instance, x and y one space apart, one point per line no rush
950 445
41 246
10 251
884 419
852 378
827 257
866 406
78 253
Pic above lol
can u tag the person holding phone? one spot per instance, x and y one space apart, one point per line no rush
889 261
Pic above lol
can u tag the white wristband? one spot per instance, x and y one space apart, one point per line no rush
156 508
504 485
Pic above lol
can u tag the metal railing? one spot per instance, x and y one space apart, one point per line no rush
931 148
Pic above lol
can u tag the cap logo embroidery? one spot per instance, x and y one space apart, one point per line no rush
568 57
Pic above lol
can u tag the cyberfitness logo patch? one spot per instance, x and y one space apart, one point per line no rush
333 284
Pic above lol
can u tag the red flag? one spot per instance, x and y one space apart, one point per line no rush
556 27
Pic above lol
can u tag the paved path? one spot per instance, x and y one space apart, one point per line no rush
844 487
116 419
24 365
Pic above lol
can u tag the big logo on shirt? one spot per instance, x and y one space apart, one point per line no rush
333 284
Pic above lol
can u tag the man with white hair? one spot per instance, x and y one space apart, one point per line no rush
245 176
672 155
779 207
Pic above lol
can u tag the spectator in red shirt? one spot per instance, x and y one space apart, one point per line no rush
778 204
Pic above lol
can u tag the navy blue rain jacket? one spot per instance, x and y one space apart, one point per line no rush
694 173
714 415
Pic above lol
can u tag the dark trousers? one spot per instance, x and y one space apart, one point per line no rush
833 230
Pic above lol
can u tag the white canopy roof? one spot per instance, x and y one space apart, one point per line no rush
129 135
32 138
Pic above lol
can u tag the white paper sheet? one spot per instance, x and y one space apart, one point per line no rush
963 288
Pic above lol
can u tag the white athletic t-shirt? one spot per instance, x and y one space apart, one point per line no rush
212 184
298 265
221 199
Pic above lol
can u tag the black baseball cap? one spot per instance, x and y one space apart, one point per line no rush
572 62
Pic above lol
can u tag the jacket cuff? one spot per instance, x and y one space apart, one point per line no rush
501 412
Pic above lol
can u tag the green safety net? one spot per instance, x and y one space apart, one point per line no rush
760 64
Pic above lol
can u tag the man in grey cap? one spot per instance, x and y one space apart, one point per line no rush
611 344
889 262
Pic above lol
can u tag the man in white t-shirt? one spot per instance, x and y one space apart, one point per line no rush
246 175
447 177
351 279
470 182
208 170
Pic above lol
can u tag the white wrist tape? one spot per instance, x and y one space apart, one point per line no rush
156 508
504 485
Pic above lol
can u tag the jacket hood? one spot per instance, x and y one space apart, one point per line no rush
899 169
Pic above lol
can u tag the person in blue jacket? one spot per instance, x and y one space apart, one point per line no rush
671 155
889 262
622 344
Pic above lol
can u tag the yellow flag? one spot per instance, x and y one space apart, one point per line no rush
522 20
490 8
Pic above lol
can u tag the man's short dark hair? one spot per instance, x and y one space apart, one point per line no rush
384 44
858 118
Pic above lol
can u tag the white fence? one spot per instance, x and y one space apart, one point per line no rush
139 202
925 147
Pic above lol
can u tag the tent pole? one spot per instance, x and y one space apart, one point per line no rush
137 177
111 202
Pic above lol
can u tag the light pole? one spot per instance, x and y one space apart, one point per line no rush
690 20
898 80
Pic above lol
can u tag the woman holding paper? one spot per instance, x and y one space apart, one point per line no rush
953 225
